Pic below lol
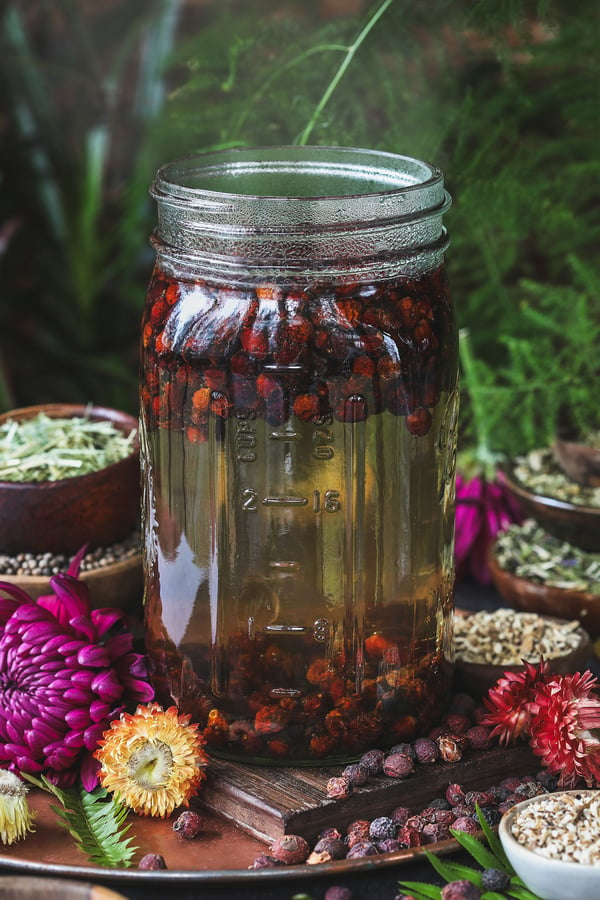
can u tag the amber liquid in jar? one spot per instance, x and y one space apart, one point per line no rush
298 451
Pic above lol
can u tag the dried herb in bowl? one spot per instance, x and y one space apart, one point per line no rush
42 448
540 472
529 552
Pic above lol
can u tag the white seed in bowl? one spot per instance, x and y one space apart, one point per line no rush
561 826
505 637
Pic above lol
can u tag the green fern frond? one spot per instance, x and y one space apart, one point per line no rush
95 820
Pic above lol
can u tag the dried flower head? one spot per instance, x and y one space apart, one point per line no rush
16 819
65 672
508 700
565 728
153 760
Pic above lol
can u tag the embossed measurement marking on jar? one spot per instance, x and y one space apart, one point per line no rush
329 502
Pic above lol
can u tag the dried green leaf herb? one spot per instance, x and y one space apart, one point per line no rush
540 472
530 552
47 449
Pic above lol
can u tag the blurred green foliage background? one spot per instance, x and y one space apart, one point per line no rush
503 95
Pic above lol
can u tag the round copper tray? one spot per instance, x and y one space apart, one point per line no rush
221 855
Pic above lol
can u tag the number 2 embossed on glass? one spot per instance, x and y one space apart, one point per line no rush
298 406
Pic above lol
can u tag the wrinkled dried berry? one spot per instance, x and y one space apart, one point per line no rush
480 737
290 849
490 814
390 845
451 749
382 828
372 761
439 803
397 765
152 861
334 847
494 880
426 751
467 824
409 837
400 815
338 786
188 825
360 849
433 832
460 890
405 748
455 794
355 775
336 892
530 789
264 861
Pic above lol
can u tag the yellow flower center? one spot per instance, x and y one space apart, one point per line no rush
150 765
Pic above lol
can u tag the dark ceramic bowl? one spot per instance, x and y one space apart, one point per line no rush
529 596
97 509
477 678
572 522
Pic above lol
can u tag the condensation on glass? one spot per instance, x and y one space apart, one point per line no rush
298 420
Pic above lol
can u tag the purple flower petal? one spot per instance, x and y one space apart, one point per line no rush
105 619
77 695
93 734
93 655
75 565
78 718
99 711
70 599
107 686
83 625
89 772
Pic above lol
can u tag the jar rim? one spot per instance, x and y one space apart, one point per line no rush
198 179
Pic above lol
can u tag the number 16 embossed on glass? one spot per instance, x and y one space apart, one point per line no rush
299 404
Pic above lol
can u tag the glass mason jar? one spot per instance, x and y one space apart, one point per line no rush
298 420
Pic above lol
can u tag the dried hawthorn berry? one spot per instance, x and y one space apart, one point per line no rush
390 845
405 748
494 880
409 837
372 761
480 737
355 774
338 786
455 794
400 815
335 848
465 823
360 849
418 422
397 765
451 747
457 723
152 861
336 892
433 832
460 890
290 849
264 861
382 828
426 751
188 825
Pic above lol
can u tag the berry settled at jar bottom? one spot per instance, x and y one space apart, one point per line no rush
298 511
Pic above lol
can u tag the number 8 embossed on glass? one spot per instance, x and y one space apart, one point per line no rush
298 415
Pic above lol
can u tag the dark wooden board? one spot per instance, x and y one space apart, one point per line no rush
269 802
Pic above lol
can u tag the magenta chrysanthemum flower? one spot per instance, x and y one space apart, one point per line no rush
66 671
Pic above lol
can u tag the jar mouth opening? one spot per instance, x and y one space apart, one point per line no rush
302 174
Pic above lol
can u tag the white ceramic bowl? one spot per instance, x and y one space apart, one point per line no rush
550 879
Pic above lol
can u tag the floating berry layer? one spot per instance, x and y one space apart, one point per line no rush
347 350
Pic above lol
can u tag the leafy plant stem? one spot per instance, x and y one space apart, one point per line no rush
331 87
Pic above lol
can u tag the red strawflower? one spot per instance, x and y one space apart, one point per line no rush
564 728
65 672
509 700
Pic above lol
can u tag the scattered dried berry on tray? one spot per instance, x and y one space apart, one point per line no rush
188 825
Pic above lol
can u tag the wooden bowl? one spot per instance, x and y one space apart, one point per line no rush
97 509
119 584
477 678
530 596
572 522
31 887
